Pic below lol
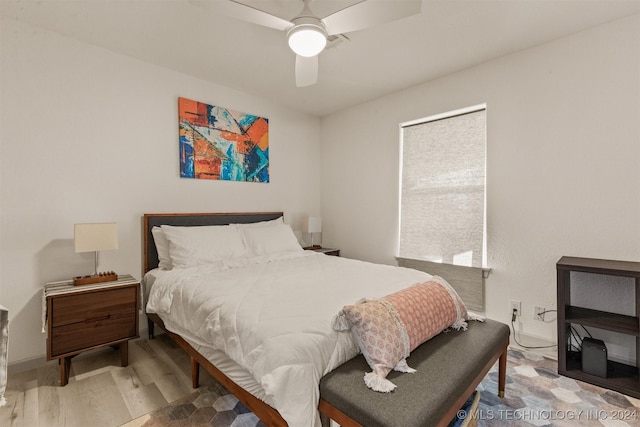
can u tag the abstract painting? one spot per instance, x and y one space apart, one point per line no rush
223 144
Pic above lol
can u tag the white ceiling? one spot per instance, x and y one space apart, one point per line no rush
447 36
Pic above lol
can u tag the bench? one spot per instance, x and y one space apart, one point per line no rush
449 368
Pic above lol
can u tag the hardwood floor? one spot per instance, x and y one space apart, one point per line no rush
100 393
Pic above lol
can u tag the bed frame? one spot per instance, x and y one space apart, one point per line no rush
266 413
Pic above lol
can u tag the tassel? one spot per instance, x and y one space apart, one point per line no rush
403 367
460 324
377 383
340 322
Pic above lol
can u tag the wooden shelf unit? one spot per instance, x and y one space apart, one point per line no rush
623 378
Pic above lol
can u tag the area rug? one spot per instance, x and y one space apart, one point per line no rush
535 396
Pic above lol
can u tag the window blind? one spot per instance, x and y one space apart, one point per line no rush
442 206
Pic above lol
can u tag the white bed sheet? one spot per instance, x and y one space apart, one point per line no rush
272 317
219 359
148 280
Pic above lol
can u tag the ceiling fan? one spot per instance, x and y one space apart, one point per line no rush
307 33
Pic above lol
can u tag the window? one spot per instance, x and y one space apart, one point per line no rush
442 195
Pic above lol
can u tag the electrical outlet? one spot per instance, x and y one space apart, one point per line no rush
517 306
538 313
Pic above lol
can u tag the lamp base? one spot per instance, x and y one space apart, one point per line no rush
108 276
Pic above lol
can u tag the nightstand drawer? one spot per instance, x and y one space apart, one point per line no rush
93 332
82 307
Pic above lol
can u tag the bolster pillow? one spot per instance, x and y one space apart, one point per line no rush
388 329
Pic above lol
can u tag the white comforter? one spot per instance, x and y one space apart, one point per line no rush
273 317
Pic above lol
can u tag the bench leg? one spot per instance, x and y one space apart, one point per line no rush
502 373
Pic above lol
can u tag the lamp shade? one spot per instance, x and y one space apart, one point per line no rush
314 225
308 37
95 237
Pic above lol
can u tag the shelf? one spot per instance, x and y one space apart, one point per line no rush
622 378
600 266
603 320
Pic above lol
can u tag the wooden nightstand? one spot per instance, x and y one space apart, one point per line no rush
82 318
326 251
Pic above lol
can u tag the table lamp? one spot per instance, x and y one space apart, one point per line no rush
314 225
93 238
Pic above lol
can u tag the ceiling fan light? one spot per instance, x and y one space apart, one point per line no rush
307 39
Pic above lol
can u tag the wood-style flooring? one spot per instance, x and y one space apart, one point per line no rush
100 393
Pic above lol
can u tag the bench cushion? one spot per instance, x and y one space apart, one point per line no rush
445 367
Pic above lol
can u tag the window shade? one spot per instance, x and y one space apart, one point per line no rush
443 190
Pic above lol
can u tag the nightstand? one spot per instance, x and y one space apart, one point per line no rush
326 251
87 317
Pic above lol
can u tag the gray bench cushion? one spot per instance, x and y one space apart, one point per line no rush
446 365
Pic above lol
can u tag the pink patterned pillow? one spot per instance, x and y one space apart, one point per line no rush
388 329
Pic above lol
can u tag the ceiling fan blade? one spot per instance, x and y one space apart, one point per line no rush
245 13
306 70
369 13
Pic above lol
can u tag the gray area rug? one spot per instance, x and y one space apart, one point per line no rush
535 396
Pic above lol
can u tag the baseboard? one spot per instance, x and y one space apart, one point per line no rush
20 366
526 341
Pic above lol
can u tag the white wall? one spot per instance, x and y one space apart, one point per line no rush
88 135
563 163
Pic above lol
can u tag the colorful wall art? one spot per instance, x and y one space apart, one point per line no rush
218 143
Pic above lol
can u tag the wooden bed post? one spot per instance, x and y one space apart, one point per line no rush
195 373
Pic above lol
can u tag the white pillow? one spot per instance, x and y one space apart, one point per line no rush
269 240
162 247
191 246
270 222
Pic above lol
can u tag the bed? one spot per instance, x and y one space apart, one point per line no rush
281 337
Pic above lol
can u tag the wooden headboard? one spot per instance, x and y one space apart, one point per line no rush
149 252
